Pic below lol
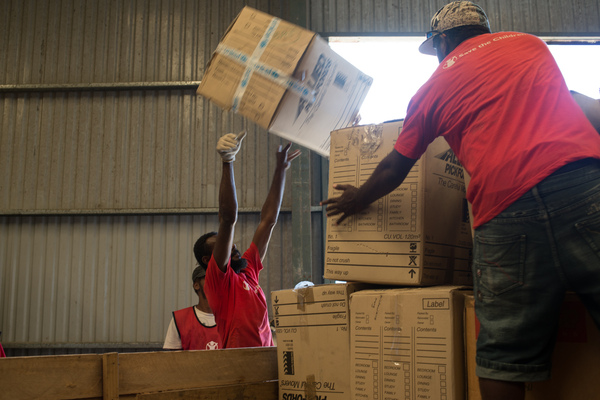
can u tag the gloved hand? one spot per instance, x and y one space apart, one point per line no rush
229 144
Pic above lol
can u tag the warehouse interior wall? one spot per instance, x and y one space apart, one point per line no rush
109 172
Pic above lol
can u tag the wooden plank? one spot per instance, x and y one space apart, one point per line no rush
110 376
252 391
180 370
51 377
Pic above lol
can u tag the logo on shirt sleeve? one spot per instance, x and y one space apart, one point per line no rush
450 62
249 288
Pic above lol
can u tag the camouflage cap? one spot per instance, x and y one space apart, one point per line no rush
452 15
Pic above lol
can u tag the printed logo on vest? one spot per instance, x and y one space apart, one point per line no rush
212 345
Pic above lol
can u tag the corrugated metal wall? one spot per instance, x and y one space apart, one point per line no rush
116 148
413 16
108 170
95 282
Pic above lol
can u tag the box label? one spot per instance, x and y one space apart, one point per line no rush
403 346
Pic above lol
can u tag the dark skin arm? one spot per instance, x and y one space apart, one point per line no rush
590 107
388 175
270 209
228 211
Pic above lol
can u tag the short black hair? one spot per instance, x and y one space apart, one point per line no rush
461 33
201 249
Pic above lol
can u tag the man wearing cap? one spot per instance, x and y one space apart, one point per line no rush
232 280
194 328
502 104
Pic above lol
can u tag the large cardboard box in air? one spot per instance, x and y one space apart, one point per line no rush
575 362
417 235
285 78
313 341
407 344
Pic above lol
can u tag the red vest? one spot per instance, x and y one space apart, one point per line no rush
194 335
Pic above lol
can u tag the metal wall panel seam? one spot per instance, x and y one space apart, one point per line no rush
92 87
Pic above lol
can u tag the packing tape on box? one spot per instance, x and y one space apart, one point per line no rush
304 295
253 65
367 139
310 390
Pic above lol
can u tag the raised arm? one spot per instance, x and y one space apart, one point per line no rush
227 147
388 175
270 210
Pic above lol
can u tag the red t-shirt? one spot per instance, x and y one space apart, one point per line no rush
239 303
193 333
504 108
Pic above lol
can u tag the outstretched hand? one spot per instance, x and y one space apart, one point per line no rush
229 145
347 204
284 158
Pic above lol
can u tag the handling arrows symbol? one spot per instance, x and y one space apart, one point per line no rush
276 300
412 273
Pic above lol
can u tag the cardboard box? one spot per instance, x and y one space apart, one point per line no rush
575 366
313 341
417 235
285 78
407 344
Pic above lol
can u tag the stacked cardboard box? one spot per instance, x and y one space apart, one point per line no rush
575 366
350 341
407 344
312 328
390 343
285 78
419 234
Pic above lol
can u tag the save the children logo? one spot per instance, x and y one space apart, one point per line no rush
212 345
250 288
450 62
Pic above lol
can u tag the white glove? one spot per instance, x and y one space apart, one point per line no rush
229 144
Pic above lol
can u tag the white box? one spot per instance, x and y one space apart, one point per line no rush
407 344
417 235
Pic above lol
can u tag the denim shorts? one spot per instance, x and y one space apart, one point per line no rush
525 259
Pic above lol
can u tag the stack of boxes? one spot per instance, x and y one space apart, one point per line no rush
413 338
402 330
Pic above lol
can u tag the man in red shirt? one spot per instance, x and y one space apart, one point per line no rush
232 287
502 104
194 328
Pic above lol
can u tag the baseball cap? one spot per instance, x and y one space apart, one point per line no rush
303 284
453 15
199 272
